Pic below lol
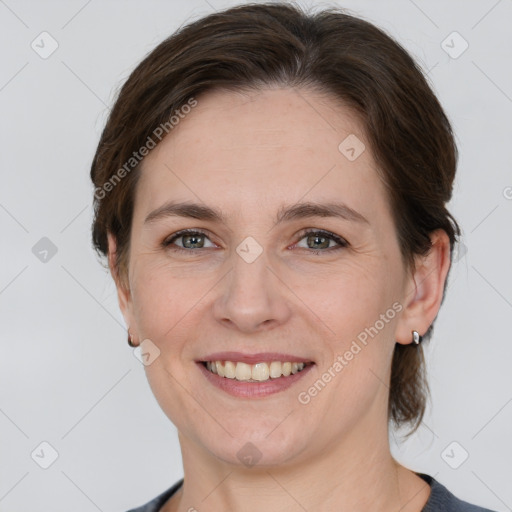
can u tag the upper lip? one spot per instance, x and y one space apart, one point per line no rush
260 357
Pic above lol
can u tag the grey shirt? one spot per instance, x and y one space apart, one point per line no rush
440 500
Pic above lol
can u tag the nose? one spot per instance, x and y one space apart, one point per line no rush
252 297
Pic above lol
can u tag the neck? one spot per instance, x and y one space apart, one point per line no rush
358 474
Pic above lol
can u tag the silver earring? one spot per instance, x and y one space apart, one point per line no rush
416 338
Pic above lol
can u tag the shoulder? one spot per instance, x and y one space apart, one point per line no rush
157 503
442 500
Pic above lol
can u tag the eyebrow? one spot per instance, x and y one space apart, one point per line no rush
286 213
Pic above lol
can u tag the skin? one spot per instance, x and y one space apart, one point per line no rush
248 154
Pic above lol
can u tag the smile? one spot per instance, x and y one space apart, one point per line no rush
253 381
258 372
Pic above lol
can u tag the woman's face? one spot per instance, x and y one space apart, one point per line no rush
250 285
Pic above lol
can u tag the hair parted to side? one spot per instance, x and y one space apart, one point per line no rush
254 46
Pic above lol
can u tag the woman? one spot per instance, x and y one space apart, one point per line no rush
270 191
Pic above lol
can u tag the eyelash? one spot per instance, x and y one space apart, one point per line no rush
342 243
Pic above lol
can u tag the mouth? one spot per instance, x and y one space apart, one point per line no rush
258 376
259 372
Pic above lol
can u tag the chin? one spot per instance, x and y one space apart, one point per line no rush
258 449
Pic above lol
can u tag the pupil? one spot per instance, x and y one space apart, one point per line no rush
192 238
318 237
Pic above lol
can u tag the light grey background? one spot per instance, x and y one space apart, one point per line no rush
67 374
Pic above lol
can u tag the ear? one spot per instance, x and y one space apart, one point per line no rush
123 290
424 290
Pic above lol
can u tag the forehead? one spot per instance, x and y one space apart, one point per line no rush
265 146
266 119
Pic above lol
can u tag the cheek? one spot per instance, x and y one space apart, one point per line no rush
359 308
164 299
355 294
357 354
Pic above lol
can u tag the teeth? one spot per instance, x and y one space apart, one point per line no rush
261 371
220 369
253 372
229 369
275 369
242 372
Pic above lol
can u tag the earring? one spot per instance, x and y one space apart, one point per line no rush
130 339
416 338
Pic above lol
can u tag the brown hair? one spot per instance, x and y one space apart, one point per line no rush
257 45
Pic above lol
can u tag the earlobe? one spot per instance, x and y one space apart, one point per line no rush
425 289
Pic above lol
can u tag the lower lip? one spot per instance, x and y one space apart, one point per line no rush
253 389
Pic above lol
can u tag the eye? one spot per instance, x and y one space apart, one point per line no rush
193 239
322 239
190 239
